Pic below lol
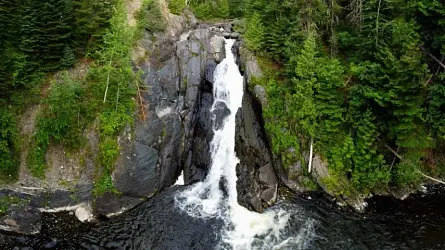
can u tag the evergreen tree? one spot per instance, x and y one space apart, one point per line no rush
91 19
254 33
68 58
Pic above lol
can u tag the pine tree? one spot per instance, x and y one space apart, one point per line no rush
254 33
68 58
45 31
91 19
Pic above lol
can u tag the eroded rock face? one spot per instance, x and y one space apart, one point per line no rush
177 131
257 182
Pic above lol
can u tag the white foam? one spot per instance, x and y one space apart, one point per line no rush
243 229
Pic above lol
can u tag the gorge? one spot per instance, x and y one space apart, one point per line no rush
202 119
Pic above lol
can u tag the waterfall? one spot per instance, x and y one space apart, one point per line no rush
243 229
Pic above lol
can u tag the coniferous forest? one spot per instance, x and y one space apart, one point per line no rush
363 81
36 39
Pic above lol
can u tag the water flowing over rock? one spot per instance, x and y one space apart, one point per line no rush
219 195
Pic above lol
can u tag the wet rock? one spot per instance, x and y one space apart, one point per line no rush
209 80
219 113
256 204
141 177
217 48
226 35
198 159
270 195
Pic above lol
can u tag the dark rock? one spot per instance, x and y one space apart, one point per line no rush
142 177
110 203
267 175
170 154
256 204
226 35
269 195
219 112
253 152
197 162
26 220
209 77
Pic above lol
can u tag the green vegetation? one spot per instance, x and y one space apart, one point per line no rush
216 9
8 145
176 6
150 16
8 201
36 40
100 99
360 78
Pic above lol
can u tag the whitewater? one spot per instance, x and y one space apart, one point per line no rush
216 196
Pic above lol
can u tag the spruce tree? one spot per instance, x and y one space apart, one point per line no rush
254 33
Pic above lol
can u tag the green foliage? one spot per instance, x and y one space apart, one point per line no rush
91 22
113 85
254 35
211 9
7 201
176 6
358 78
150 16
68 58
62 120
9 145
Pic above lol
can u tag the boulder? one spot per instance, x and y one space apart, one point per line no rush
234 35
251 66
260 94
267 175
217 48
219 112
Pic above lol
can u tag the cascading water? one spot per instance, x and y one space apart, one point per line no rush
216 196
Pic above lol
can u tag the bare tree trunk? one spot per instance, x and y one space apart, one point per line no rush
377 24
433 57
424 175
108 79
309 168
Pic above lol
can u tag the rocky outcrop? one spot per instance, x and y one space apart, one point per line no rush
176 134
257 182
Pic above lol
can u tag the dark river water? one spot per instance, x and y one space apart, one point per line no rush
315 223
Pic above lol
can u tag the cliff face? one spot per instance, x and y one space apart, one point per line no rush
172 136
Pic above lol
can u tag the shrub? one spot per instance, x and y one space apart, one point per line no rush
8 145
176 6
